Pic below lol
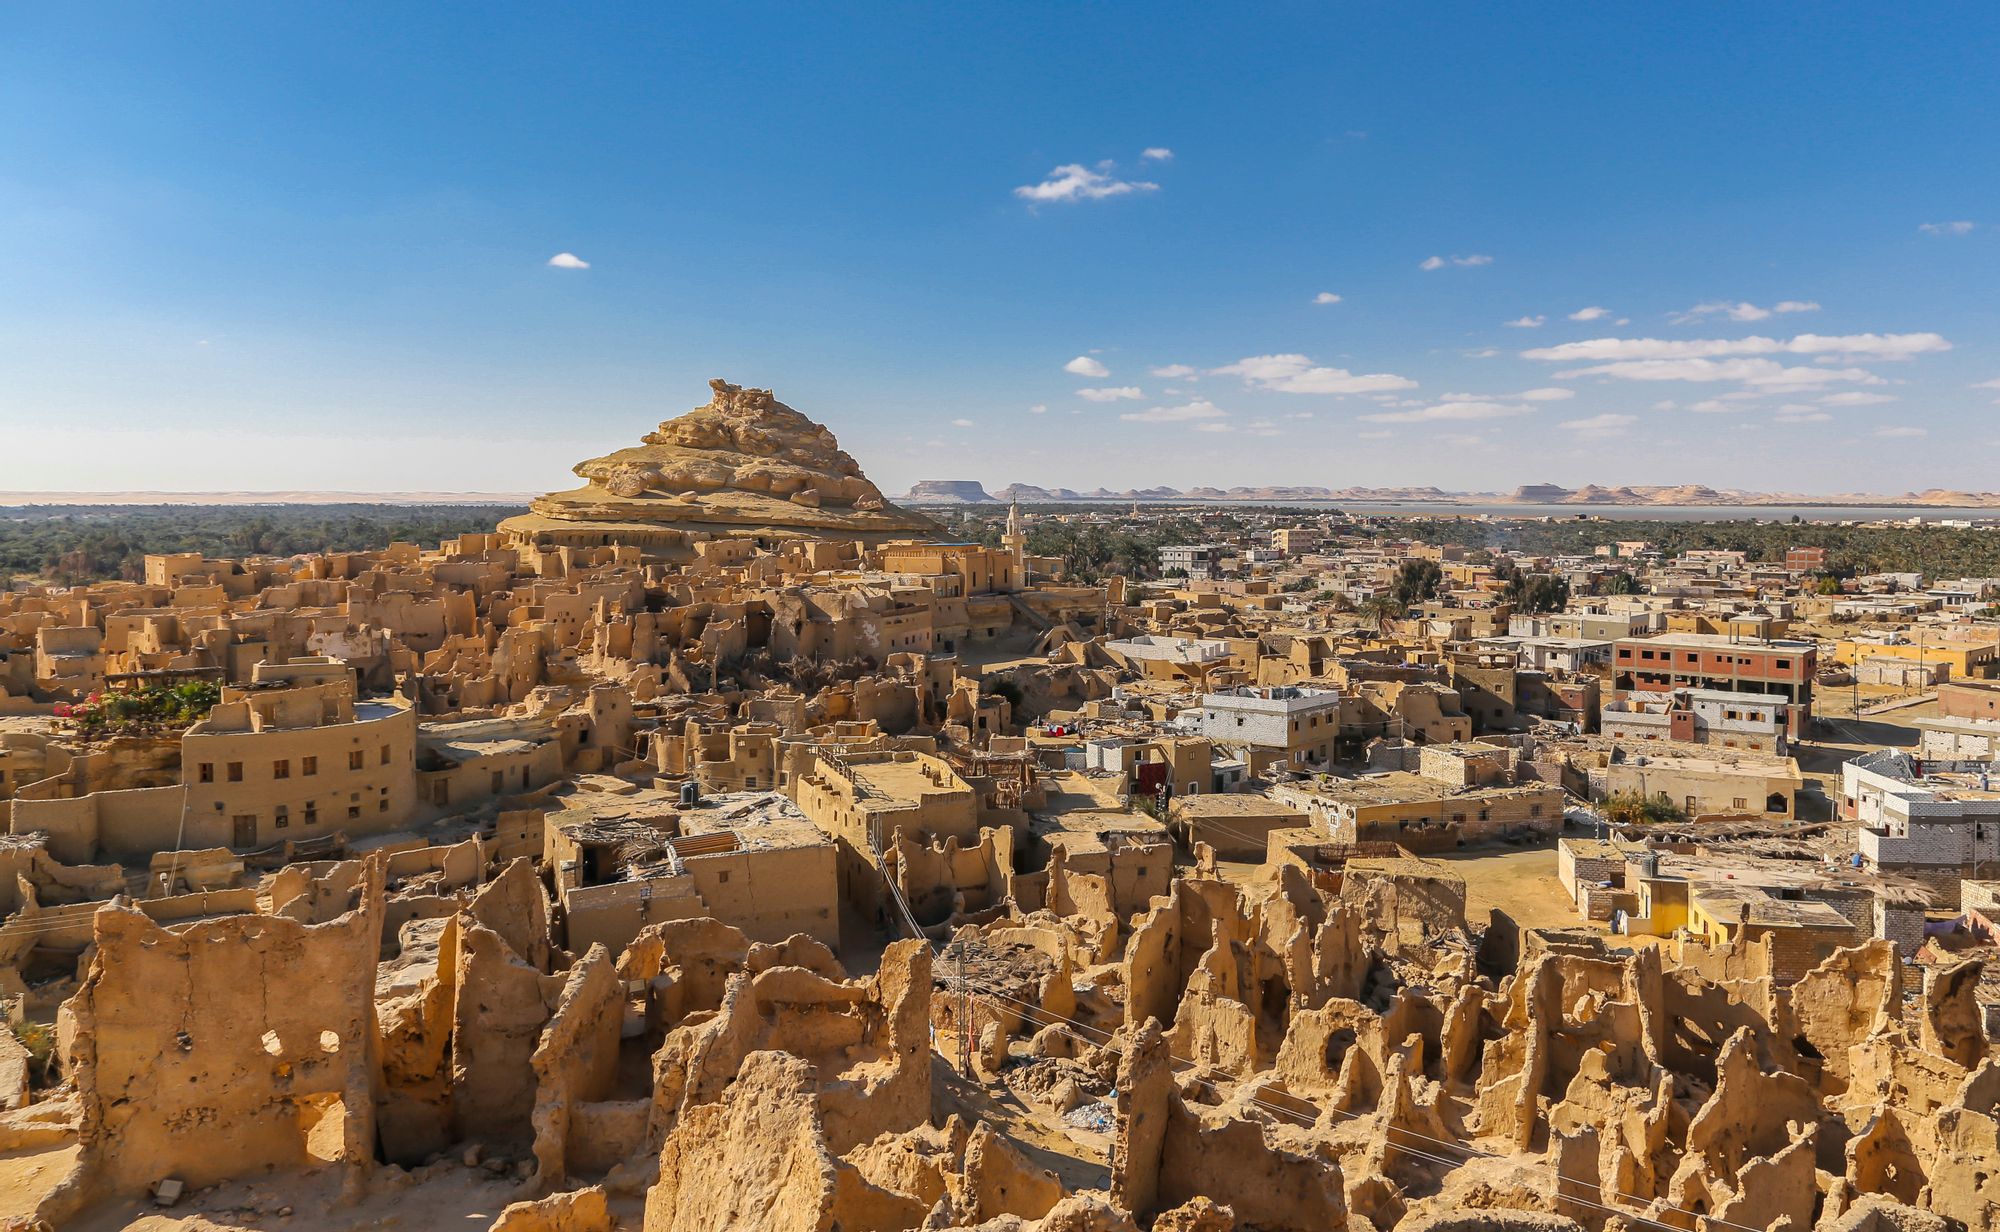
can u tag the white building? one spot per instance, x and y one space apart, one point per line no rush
1938 826
1699 716
1299 722
1199 561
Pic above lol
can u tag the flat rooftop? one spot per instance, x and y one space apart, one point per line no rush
1231 804
1403 787
653 833
1722 641
1726 903
901 780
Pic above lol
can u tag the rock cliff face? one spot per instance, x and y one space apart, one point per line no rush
968 491
744 463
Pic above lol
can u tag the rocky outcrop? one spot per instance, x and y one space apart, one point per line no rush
579 1210
742 463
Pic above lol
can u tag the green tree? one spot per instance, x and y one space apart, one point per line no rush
1416 582
1382 611
1627 808
1537 592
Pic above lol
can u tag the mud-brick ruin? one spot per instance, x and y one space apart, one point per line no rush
722 847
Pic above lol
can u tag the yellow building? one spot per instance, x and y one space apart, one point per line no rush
1961 656
297 762
864 799
1802 933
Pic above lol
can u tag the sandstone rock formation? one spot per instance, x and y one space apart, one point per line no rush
744 464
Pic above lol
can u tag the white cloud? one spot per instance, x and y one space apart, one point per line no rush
1591 313
1084 365
1743 310
1040 408
1076 182
1800 415
1526 322
1295 374
1857 346
1717 406
1546 395
1157 153
1438 263
1326 297
1119 393
1213 425
1450 412
1735 312
1902 432
1378 435
1961 227
1198 409
1992 384
1482 353
568 260
1765 373
1599 425
1177 372
961 423
1856 397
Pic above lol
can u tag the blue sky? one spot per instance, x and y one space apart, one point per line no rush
277 247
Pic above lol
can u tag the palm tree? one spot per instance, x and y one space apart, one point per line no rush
1383 611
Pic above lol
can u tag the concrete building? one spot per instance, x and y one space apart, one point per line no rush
1961 656
1781 669
1197 561
1721 784
1969 699
1298 726
1460 795
1953 742
1699 716
1295 540
1936 828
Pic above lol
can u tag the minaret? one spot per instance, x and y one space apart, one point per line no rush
1017 543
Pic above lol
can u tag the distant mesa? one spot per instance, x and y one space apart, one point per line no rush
949 491
1029 492
744 465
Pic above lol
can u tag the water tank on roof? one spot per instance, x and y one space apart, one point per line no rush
690 794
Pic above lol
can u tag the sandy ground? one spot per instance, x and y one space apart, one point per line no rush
1521 883
1080 1157
27 1176
458 1198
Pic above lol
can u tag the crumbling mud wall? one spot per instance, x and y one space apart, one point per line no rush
1171 1150
576 1061
232 1046
869 1039
758 1157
